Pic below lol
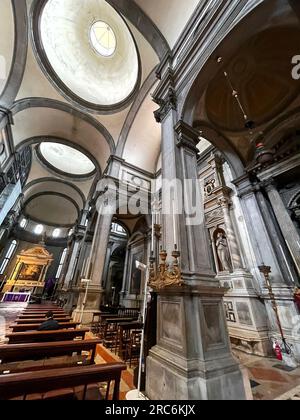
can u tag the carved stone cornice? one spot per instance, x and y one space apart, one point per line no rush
187 136
165 95
165 105
268 184
244 186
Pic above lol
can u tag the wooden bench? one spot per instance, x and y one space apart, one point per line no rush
43 382
34 327
40 320
32 316
43 307
15 358
44 336
21 352
41 313
123 336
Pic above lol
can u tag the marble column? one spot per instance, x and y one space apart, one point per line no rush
106 263
71 264
124 290
265 246
96 263
192 359
285 222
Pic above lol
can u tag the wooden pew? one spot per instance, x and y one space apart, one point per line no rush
47 307
31 316
41 312
124 330
17 358
24 384
34 327
30 351
40 320
42 336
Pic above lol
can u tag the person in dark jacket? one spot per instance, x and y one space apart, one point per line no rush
50 324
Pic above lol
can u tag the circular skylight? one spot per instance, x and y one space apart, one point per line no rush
66 159
103 39
88 50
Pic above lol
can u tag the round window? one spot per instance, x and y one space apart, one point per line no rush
103 39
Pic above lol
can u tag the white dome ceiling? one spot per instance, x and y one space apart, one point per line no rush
52 209
66 159
65 32
7 39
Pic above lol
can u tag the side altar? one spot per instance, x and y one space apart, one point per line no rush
30 271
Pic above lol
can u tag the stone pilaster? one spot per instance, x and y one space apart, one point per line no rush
106 207
192 358
265 246
285 222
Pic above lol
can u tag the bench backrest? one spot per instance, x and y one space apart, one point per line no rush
40 320
41 312
28 316
34 327
38 351
42 336
22 384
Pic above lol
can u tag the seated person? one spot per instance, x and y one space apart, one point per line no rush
50 324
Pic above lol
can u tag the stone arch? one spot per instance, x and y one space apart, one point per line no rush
26 103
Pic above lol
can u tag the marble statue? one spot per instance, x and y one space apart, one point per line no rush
223 252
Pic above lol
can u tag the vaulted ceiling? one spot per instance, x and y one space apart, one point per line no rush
63 92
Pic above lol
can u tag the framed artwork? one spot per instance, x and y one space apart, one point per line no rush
136 275
30 272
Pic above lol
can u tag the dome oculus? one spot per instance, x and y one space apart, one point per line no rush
103 39
66 159
88 51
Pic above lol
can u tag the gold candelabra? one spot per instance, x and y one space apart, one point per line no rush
166 275
266 271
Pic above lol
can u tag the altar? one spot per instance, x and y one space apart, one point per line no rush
29 273
16 297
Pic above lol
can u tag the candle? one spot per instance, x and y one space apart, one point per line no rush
174 223
152 234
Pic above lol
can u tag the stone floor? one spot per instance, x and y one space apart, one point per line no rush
8 313
269 378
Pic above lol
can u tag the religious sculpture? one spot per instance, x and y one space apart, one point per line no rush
223 252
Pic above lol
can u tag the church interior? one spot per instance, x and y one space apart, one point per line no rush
150 200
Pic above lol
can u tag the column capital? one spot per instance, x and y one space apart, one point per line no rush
268 184
187 136
166 104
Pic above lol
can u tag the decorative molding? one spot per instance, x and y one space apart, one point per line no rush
17 69
49 179
131 10
187 137
165 105
39 102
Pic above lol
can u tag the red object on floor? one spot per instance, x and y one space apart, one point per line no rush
278 352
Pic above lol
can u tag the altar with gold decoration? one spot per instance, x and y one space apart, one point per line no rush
30 271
